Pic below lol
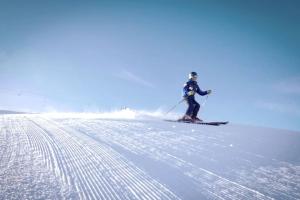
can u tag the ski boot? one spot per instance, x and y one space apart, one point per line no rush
196 119
186 118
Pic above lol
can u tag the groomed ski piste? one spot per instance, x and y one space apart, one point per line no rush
121 155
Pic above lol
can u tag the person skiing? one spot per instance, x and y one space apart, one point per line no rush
189 90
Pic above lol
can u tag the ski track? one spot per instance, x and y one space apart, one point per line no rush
81 168
48 158
22 174
154 146
165 146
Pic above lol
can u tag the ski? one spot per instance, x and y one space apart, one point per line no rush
199 122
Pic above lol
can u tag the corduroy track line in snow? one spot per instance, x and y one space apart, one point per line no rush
221 187
138 185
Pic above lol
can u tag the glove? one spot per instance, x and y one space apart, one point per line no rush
208 91
190 93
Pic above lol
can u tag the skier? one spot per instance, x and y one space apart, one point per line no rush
190 89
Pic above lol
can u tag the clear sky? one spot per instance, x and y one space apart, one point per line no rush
102 55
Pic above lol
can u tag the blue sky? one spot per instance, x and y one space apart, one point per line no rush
102 55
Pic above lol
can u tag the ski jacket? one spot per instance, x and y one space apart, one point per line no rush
192 86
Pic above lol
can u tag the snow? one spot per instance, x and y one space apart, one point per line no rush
116 156
117 114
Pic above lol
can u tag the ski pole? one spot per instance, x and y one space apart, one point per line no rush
204 101
175 106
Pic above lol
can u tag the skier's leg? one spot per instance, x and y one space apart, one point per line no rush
190 108
196 109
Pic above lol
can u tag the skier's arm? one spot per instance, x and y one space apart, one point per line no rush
200 92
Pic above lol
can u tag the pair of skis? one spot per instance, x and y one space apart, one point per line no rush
215 123
198 122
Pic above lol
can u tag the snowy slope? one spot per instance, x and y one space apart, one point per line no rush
49 157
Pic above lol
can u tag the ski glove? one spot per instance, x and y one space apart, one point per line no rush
208 91
190 93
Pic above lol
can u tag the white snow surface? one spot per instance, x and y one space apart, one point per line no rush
114 156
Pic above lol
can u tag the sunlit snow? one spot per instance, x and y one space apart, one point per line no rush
132 154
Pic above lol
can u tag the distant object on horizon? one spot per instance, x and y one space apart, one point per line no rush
6 112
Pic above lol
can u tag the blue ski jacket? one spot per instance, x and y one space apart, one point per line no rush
192 86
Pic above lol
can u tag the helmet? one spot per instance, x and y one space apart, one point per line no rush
192 75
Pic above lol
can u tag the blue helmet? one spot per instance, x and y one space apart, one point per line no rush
192 75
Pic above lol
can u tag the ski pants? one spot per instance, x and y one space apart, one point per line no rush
193 107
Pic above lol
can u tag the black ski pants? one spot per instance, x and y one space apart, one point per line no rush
193 107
